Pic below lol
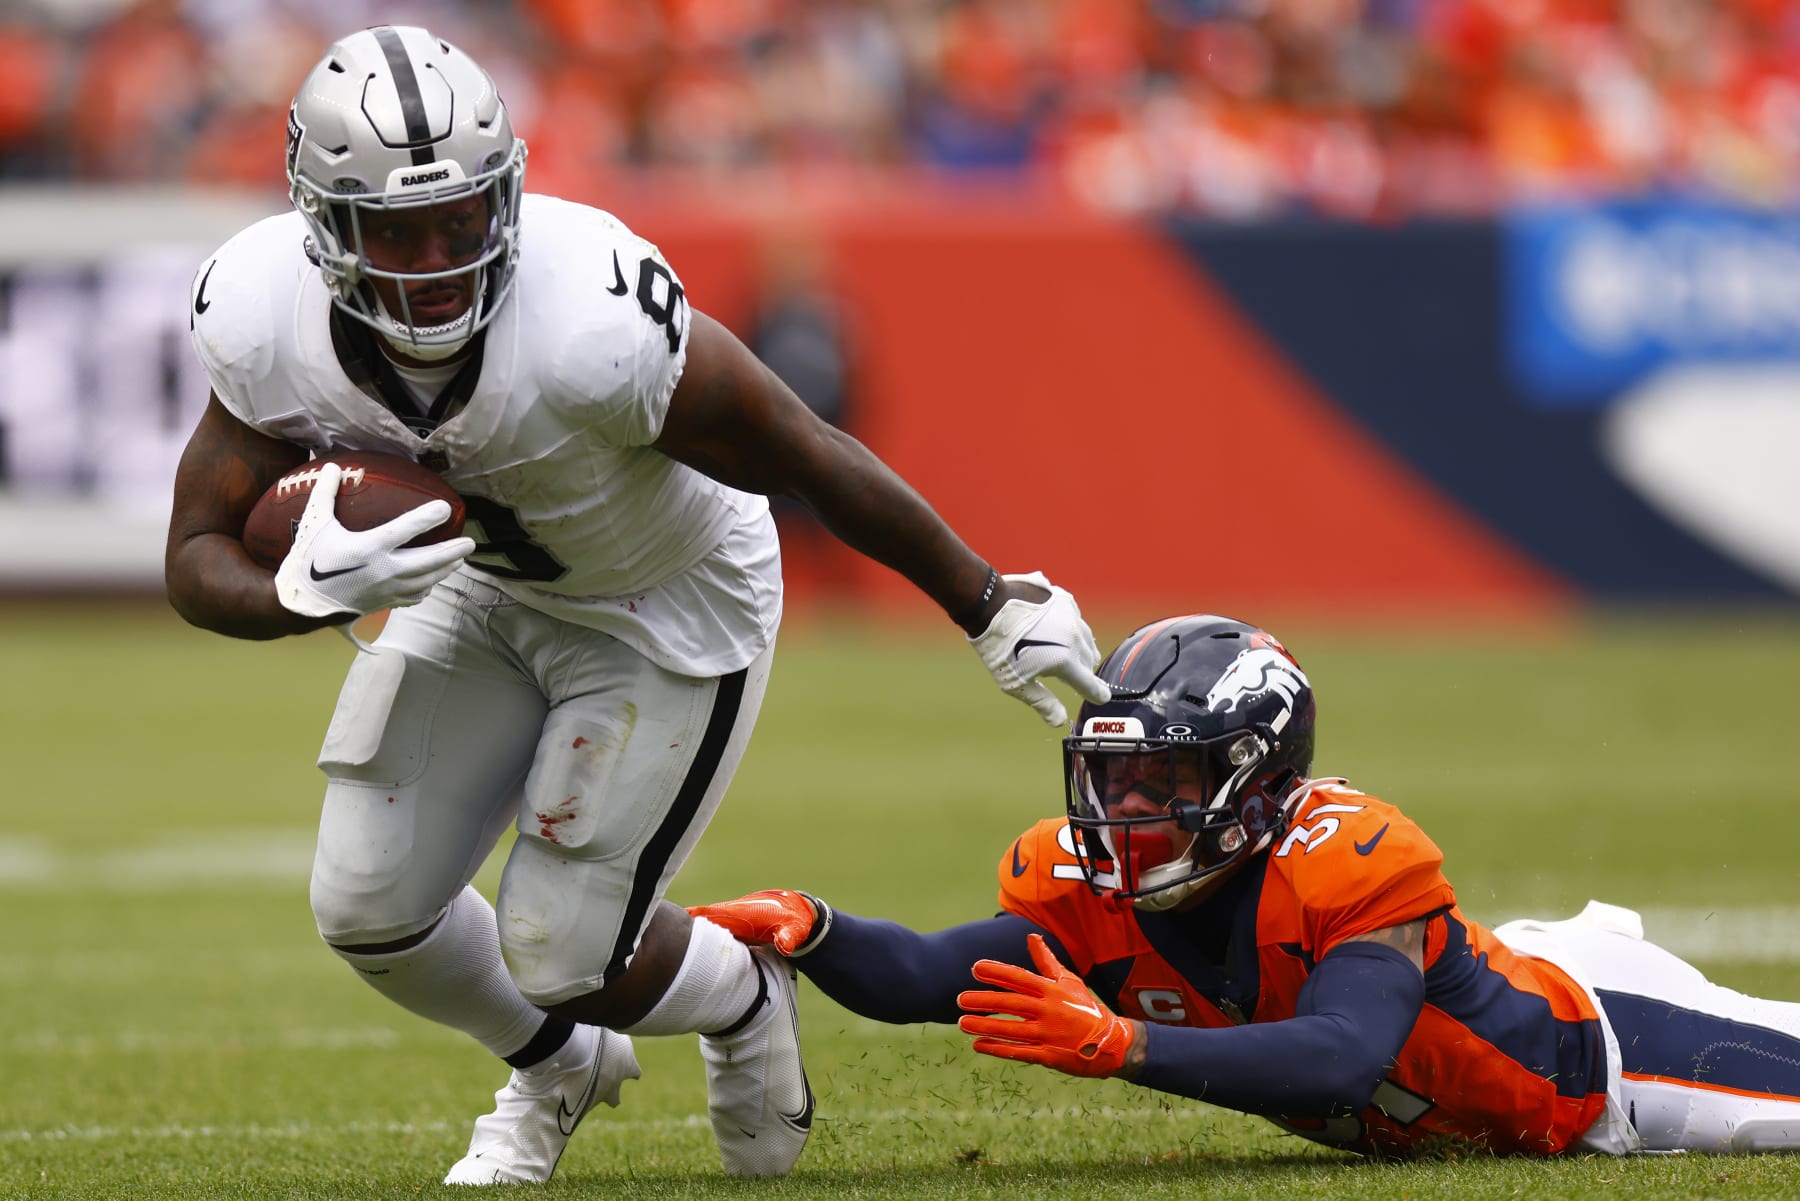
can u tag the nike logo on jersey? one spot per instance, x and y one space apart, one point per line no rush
1018 866
1363 848
1023 643
201 303
618 288
313 569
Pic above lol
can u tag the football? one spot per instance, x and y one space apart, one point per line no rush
376 488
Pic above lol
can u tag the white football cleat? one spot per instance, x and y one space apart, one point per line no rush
534 1115
757 1096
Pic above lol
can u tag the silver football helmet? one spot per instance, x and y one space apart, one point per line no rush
391 120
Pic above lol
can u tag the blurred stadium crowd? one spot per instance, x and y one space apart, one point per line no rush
1366 109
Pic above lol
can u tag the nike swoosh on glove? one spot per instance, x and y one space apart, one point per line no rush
791 922
331 571
1051 1018
1027 640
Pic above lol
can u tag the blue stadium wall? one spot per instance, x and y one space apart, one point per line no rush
1421 334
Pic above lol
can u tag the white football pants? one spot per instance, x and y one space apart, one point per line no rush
474 711
1691 1065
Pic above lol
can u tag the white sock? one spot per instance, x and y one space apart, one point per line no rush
457 978
714 988
578 1048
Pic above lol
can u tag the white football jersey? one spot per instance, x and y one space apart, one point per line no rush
546 434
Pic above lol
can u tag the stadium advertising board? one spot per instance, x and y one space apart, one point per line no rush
1435 417
1600 298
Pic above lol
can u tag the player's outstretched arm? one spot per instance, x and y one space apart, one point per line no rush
878 969
210 579
734 420
1353 1015
1046 1014
790 921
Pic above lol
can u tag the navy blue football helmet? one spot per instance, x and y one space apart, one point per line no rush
1195 763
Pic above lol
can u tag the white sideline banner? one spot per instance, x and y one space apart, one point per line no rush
98 386
104 544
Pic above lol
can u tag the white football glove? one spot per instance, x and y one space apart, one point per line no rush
1026 640
335 572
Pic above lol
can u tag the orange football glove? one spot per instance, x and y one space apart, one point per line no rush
791 922
1061 1025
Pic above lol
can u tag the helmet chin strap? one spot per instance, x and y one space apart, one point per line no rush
1180 873
430 352
1189 816
1175 893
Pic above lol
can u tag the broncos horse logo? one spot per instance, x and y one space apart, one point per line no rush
1256 672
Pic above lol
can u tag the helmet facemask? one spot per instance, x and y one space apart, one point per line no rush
344 225
1156 818
1192 765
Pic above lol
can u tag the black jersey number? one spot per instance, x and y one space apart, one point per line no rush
666 312
502 535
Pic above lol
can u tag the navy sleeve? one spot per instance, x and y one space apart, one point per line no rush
1353 1015
885 971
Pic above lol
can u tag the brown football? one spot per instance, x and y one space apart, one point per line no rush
376 488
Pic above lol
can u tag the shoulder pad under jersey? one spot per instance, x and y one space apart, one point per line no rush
1353 864
605 319
241 292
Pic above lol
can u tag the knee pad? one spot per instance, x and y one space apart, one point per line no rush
349 919
356 904
559 925
546 994
545 972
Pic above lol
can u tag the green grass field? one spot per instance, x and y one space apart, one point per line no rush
174 1029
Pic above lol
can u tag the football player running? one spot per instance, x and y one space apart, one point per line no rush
589 662
1212 920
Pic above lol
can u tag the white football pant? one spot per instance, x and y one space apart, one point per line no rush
1691 1065
474 711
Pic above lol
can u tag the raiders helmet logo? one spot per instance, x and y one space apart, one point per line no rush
295 131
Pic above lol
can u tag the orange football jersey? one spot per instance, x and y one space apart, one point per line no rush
1508 1052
